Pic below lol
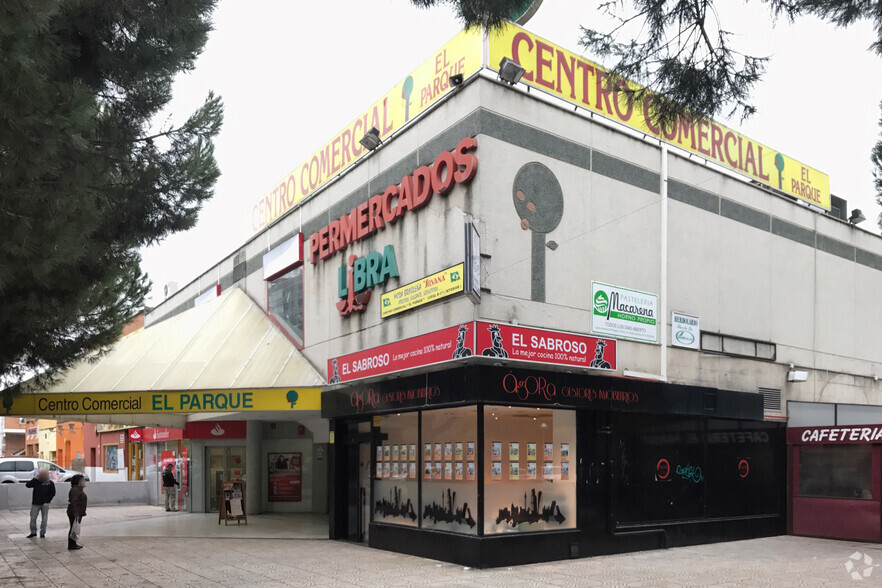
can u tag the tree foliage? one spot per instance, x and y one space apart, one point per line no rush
85 179
680 53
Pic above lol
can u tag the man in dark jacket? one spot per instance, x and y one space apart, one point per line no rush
168 485
44 492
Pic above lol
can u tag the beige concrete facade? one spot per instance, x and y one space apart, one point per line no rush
748 262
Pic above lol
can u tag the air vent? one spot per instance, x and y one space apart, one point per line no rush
771 399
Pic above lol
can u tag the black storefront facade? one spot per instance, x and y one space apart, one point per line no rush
489 465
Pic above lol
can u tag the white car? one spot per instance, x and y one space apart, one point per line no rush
22 469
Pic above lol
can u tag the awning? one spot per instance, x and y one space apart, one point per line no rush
226 344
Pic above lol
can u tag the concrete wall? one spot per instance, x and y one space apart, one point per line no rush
748 262
14 496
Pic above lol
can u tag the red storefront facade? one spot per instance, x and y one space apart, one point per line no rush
836 481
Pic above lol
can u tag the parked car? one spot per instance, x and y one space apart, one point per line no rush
22 469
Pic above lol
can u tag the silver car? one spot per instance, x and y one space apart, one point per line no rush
22 469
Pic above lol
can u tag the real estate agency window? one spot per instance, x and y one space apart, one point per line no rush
529 469
396 486
449 470
283 273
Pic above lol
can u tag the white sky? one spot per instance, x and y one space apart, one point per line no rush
292 74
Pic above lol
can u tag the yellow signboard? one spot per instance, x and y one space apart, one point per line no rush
414 94
233 400
581 82
423 291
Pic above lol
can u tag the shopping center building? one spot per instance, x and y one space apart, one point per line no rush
544 327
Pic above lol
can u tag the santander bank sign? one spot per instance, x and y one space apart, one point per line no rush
412 193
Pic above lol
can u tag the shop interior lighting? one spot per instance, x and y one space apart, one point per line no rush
456 80
510 72
856 217
371 139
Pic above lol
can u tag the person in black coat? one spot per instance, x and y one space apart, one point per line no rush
44 492
168 486
76 509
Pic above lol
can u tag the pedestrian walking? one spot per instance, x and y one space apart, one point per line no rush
169 484
44 492
76 510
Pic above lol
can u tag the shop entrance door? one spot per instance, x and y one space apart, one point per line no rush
136 461
357 457
224 464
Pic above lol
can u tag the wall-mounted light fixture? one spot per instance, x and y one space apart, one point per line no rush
856 217
510 72
371 139
797 376
456 80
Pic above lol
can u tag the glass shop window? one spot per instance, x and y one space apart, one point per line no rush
449 462
285 303
530 466
836 471
396 467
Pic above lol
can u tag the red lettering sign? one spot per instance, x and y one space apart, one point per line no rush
541 346
414 192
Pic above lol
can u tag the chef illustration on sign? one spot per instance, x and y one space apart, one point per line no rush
335 378
461 350
496 350
598 361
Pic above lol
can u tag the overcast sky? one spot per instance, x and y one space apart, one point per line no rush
293 74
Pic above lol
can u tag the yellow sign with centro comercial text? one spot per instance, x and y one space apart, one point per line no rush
585 84
232 400
411 96
425 290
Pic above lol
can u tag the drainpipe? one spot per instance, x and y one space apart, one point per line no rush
663 302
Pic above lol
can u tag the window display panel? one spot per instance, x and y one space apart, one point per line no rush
395 474
661 468
450 487
529 469
836 471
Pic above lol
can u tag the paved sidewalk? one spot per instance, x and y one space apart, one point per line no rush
115 555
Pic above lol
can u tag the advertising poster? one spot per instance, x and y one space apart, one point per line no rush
531 452
423 291
437 451
412 451
565 451
564 470
549 450
411 470
514 471
544 346
285 477
627 314
459 470
496 449
185 472
514 451
495 470
470 470
470 450
448 450
436 474
548 470
427 452
379 453
448 470
531 470
458 453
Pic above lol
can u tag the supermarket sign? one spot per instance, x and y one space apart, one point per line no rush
477 339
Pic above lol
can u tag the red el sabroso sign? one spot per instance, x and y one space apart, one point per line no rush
431 348
541 346
480 339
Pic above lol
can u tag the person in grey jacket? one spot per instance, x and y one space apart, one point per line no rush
76 509
44 492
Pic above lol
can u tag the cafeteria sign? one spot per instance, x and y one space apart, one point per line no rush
425 290
251 399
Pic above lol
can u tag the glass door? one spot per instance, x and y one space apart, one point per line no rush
223 464
136 461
